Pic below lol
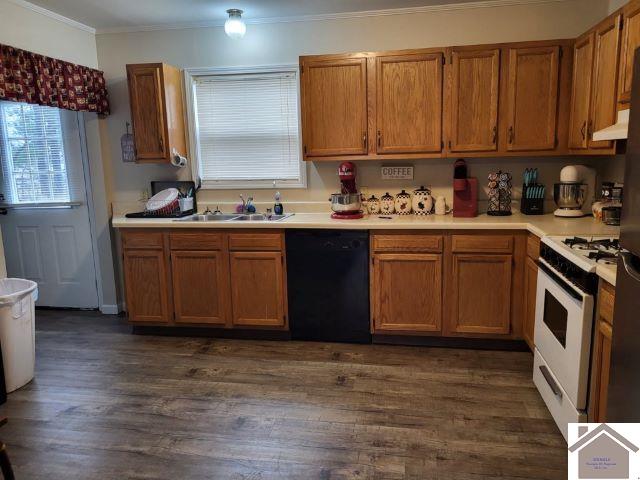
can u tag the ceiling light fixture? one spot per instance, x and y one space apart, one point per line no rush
234 27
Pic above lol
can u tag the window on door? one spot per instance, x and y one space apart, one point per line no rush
34 169
246 126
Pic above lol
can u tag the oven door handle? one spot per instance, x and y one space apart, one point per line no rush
550 381
562 283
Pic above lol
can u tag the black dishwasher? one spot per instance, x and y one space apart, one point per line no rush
328 285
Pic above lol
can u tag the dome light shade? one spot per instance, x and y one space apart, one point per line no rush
234 27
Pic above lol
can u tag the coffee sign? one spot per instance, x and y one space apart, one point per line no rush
397 173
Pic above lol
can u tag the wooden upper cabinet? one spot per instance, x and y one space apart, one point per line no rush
605 78
334 107
581 91
146 285
407 292
532 98
630 42
257 289
481 294
474 100
157 111
200 287
409 103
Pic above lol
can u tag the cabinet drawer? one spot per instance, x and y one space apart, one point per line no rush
533 246
606 300
195 241
142 239
407 243
255 241
482 243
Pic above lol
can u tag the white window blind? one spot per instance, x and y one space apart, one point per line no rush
247 129
32 154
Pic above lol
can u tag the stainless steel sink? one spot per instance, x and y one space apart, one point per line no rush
234 217
260 217
220 217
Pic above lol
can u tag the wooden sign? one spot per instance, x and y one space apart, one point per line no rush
397 173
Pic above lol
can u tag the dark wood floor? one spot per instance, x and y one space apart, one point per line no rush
106 404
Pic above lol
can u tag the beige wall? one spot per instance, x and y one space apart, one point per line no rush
281 43
26 29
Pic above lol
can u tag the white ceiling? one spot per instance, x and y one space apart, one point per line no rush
113 15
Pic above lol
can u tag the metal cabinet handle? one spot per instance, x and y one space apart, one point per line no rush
379 138
364 140
511 134
582 130
627 262
161 144
589 129
495 134
550 381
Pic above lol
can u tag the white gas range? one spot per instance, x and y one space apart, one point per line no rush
565 300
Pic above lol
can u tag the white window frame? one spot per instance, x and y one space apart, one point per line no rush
190 77
10 183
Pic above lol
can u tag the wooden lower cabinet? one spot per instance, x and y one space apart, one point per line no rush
481 294
200 287
146 285
530 290
177 277
407 293
257 289
601 356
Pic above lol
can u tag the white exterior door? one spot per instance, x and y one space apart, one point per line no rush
46 232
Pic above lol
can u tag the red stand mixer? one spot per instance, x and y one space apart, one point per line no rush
347 204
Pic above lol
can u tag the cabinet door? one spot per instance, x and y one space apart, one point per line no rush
407 292
532 98
257 289
334 107
530 286
147 287
147 111
630 42
581 91
605 79
600 368
200 287
481 294
474 100
409 103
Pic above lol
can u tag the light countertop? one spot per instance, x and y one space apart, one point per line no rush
540 225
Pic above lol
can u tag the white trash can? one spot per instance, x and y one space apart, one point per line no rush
17 330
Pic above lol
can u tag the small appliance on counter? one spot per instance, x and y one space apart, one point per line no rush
532 201
347 205
499 194
574 194
465 191
170 199
609 208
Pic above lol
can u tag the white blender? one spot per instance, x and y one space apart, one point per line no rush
574 194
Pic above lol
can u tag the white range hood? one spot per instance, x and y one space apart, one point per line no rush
617 131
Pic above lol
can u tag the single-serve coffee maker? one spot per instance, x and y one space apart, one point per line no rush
574 194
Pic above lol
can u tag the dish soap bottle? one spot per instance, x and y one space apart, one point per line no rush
278 209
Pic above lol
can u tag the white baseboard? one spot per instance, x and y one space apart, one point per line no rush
109 309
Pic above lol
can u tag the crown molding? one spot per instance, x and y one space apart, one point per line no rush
53 15
330 16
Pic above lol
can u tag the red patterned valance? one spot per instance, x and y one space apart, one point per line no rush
32 78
